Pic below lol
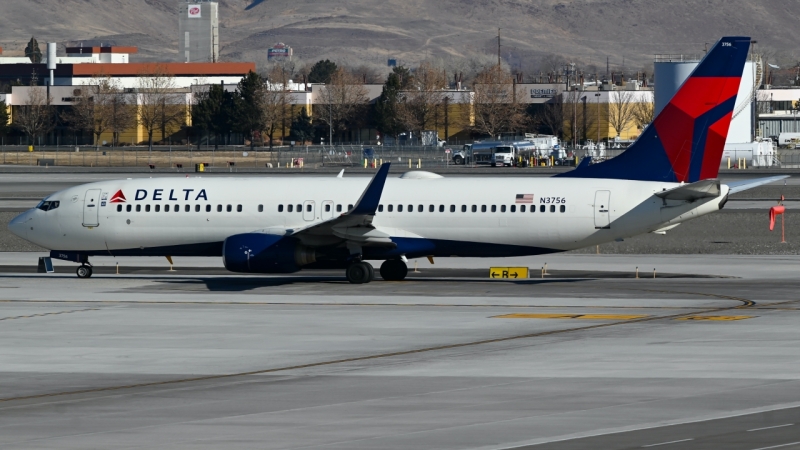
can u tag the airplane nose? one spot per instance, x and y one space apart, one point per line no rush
19 225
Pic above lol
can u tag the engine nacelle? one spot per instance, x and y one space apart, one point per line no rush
265 253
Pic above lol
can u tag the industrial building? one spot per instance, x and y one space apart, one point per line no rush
198 31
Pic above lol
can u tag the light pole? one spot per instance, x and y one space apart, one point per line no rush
597 96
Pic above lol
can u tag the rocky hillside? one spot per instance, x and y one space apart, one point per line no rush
370 31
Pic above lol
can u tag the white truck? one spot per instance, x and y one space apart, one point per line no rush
791 140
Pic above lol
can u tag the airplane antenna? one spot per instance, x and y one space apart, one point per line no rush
341 174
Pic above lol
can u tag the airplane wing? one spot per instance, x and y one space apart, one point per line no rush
739 186
355 226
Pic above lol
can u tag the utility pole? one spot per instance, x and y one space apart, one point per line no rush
498 47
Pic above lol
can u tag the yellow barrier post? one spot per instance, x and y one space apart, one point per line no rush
637 272
419 163
729 162
409 163
744 163
365 163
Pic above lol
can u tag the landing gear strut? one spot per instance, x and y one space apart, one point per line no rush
394 270
84 271
360 272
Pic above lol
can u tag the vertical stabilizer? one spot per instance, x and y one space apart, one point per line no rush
685 141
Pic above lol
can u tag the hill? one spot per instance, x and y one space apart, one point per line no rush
370 31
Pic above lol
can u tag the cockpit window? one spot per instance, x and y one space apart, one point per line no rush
48 205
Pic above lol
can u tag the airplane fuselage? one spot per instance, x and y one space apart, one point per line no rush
462 216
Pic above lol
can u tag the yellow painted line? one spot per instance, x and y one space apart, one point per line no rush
717 318
572 316
515 273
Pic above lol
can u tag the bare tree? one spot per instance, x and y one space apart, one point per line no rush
122 114
35 117
92 109
573 113
621 109
341 100
551 116
644 111
423 98
276 102
160 107
497 107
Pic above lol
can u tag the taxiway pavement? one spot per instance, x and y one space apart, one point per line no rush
191 360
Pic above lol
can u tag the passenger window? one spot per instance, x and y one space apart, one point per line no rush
146 208
380 208
299 208
119 208
196 208
494 208
188 208
513 208
463 208
552 208
441 208
289 208
420 208
158 208
280 208
542 208
474 208
328 207
452 208
339 208
399 208
166 208
229 208
177 208
127 208
260 208
349 207
502 208
208 208
219 208
410 208
138 208
483 208
238 208
390 208
309 207
563 208
521 208
431 208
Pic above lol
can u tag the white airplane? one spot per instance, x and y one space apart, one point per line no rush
280 225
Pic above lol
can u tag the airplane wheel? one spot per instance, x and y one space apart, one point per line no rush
394 270
359 273
84 271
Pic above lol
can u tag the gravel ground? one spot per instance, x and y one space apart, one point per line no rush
724 233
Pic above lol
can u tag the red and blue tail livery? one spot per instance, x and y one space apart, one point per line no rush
686 140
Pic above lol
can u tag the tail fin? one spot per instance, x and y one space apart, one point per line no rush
685 141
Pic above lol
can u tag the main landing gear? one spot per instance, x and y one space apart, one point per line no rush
84 271
394 270
360 272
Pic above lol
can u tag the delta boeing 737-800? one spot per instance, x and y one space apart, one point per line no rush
281 225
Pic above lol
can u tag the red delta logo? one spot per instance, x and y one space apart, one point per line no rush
119 197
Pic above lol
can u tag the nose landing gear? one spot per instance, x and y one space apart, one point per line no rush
84 271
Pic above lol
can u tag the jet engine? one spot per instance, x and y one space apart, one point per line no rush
265 253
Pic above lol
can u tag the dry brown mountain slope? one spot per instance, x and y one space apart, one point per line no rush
372 30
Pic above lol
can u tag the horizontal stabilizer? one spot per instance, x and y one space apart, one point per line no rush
692 192
739 186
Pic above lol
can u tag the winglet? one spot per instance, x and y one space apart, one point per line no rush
341 174
368 203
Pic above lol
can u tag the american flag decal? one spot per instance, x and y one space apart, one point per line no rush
524 198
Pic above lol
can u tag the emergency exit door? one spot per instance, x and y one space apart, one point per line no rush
91 208
308 210
602 217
